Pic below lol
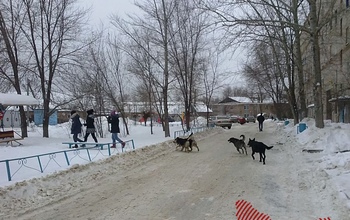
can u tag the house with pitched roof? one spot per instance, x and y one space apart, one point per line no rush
244 106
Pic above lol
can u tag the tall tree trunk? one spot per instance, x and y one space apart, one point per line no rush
298 61
11 50
319 123
166 71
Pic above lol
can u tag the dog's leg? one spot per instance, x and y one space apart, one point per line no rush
246 153
264 158
195 145
260 157
253 155
191 143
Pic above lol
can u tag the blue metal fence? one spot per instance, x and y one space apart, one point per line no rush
41 162
194 130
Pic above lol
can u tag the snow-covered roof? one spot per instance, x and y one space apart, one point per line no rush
173 107
7 99
201 107
241 99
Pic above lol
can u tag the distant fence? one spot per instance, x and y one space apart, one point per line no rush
194 130
26 166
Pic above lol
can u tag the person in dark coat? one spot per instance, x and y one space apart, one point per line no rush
113 119
90 125
261 119
76 126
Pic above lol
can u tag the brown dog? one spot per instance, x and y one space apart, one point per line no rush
186 143
239 144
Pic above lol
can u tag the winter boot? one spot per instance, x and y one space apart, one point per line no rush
123 144
113 146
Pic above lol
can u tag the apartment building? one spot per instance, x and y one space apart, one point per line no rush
335 65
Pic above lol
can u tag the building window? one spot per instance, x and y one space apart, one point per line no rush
341 58
347 3
246 107
335 18
341 27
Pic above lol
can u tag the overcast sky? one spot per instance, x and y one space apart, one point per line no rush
102 9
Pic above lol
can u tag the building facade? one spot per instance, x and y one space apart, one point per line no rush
335 64
242 106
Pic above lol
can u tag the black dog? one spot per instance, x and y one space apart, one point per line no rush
239 144
258 147
185 143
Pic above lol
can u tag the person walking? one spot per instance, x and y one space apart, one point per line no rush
261 120
76 127
90 126
113 119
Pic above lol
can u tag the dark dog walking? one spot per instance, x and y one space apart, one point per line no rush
258 147
239 144
186 143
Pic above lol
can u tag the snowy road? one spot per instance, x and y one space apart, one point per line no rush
158 182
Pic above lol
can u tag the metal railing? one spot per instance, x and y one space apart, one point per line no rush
194 130
44 162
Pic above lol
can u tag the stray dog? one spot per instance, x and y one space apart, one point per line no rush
239 144
186 143
258 147
193 143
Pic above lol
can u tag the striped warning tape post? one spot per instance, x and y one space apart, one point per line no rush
245 211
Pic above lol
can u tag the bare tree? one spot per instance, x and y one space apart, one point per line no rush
10 24
188 30
212 78
258 23
263 76
52 32
316 13
142 66
156 20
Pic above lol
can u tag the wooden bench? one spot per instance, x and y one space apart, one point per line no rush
100 144
9 136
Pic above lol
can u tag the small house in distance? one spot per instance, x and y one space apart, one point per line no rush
244 106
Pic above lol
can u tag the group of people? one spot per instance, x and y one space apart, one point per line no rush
113 120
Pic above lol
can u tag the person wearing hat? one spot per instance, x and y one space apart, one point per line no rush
113 119
76 127
90 125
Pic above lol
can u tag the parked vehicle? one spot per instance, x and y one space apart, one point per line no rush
250 119
241 120
234 118
222 121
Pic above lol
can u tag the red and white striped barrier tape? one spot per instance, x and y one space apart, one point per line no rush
245 211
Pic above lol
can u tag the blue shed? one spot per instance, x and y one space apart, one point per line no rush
39 117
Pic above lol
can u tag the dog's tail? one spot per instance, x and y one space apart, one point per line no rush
269 147
190 135
243 137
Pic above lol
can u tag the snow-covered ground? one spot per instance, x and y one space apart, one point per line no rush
332 142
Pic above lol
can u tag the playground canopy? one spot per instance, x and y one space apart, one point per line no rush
7 99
